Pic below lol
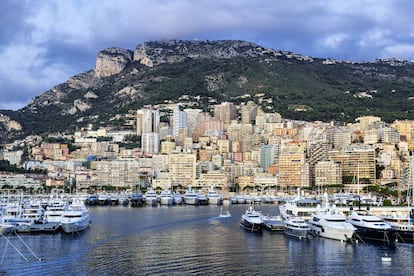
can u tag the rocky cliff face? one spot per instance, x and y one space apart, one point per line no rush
111 61
158 52
9 124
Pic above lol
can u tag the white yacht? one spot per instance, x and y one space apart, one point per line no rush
190 197
330 223
252 220
104 199
114 199
202 198
123 199
240 199
213 197
166 197
151 197
6 228
297 227
13 215
299 207
54 210
177 198
75 218
371 228
34 212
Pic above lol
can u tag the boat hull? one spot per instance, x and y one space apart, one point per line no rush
275 226
214 201
251 226
380 236
191 200
177 200
47 227
151 201
5 229
166 201
405 236
75 226
296 233
333 232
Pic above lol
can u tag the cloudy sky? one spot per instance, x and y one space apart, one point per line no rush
44 42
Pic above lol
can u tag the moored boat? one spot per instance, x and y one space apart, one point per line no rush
137 199
92 200
75 218
330 223
190 196
177 198
123 199
54 210
213 197
252 220
299 207
297 227
403 226
151 197
202 199
166 197
273 223
371 228
5 228
104 199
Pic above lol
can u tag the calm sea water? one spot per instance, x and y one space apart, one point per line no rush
190 240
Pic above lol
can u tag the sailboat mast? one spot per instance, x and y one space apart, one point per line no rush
358 180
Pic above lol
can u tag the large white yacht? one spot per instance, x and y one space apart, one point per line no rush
54 210
177 198
151 197
214 198
166 197
34 211
12 214
252 220
75 218
299 207
191 196
330 223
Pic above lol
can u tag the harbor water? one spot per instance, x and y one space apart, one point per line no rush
191 240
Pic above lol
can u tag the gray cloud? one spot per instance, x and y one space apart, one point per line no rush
43 43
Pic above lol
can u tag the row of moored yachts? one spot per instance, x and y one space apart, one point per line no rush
35 215
328 222
167 197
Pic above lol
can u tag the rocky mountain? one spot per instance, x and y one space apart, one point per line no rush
296 86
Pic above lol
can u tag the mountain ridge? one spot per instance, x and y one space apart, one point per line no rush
223 70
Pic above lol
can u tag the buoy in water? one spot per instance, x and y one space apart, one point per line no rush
386 258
